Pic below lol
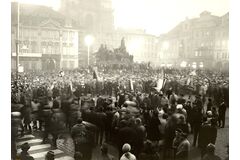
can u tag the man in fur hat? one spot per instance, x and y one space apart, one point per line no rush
24 155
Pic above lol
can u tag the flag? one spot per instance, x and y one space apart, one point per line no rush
193 73
61 73
188 81
131 85
95 73
159 84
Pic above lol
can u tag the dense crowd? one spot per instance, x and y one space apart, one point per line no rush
124 107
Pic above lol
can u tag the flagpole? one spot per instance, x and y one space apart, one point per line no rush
17 42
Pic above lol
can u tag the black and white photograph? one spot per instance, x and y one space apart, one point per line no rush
119 79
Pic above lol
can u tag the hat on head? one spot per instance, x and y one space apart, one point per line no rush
179 106
50 154
179 130
78 155
210 148
209 113
104 148
126 147
25 146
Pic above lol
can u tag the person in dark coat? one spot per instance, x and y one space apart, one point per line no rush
58 125
207 134
141 132
181 145
100 120
26 114
74 113
188 108
210 153
65 106
50 155
78 156
24 155
196 122
209 105
35 112
148 152
153 130
15 124
126 134
222 112
169 136
182 124
82 139
181 100
104 153
108 125
46 115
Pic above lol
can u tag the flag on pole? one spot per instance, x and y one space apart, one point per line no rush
188 81
161 81
131 85
95 73
159 84
61 73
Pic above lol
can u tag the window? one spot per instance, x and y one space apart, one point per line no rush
196 53
223 43
200 53
64 50
72 64
44 50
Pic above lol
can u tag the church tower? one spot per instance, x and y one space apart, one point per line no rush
90 15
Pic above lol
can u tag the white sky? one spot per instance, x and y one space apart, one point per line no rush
156 16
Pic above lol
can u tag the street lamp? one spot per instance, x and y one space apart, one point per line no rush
88 41
183 64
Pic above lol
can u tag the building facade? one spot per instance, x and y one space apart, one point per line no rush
197 42
46 41
96 18
139 44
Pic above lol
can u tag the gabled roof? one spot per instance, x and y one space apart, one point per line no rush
37 15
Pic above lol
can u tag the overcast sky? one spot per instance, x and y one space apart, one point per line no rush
155 16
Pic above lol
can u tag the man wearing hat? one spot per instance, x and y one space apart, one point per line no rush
81 137
104 153
197 117
49 155
24 155
210 153
181 145
207 134
127 155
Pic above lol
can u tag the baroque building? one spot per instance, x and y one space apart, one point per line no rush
200 42
45 39
95 18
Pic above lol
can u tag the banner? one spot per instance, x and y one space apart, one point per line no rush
131 85
160 83
95 73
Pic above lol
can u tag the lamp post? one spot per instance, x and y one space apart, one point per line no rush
88 41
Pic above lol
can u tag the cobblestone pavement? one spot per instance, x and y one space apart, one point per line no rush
66 144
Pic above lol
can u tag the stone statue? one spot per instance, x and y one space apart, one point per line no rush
123 47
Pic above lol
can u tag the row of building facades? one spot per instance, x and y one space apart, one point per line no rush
58 36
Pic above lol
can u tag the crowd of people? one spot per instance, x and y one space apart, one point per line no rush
125 108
